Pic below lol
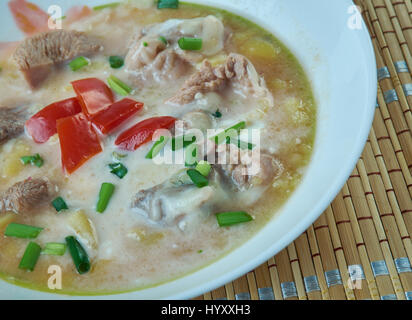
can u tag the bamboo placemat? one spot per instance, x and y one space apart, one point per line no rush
360 248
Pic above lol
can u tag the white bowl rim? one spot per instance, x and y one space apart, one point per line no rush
340 179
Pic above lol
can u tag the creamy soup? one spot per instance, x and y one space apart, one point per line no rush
108 79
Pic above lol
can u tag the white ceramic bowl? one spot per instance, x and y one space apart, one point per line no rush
337 54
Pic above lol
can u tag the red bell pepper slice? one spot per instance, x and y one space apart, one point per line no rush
78 141
142 132
93 94
42 125
108 120
28 16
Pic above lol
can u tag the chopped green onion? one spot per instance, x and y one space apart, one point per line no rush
106 192
182 142
204 168
239 126
168 4
164 40
116 62
157 147
118 156
79 63
35 160
200 251
104 6
79 255
22 231
245 145
181 178
222 137
30 256
217 114
145 44
59 204
118 169
119 86
54 249
191 155
198 179
240 144
192 44
227 219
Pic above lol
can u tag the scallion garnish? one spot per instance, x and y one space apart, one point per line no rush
145 44
240 144
106 192
168 4
59 204
222 137
116 62
22 231
54 249
118 169
104 6
79 63
30 256
79 255
157 147
217 114
204 168
35 160
227 219
164 40
118 86
192 44
198 179
118 156
191 156
181 142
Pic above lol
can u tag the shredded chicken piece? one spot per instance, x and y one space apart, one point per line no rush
37 55
11 123
154 62
26 195
236 69
150 59
177 200
246 170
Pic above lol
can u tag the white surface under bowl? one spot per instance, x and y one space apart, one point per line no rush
336 52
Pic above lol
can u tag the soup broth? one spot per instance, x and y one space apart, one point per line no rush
129 246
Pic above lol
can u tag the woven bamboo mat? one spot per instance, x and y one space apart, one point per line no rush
360 248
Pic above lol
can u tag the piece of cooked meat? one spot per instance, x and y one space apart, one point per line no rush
154 62
150 59
246 170
11 123
237 69
210 29
176 200
36 56
26 195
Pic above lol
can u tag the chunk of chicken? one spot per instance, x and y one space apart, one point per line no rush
154 63
150 59
236 70
26 195
210 29
174 201
11 123
247 169
36 56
